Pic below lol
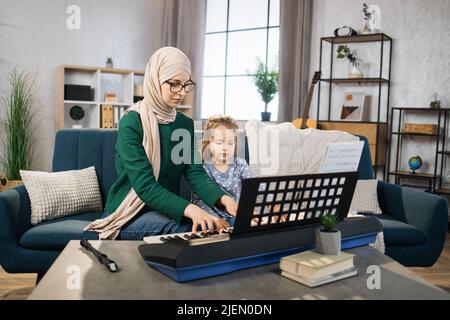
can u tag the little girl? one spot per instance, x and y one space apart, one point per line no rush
219 150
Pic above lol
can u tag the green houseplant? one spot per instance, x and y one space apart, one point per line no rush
435 103
343 52
17 139
76 113
109 63
328 238
266 81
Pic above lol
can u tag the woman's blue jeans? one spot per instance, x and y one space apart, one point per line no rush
153 223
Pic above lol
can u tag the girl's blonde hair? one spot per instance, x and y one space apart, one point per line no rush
212 123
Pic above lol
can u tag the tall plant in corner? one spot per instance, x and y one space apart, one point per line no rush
17 126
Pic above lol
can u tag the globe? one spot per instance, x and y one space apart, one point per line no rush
415 163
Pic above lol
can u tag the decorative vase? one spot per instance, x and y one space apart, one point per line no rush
366 29
328 243
354 70
265 116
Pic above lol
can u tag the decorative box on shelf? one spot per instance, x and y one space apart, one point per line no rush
420 128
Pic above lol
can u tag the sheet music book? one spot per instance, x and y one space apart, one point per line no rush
342 157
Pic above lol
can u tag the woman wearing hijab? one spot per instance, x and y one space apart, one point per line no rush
144 199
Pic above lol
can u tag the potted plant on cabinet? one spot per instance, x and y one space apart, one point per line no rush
17 139
76 113
328 238
266 81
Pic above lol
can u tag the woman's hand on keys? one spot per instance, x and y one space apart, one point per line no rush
202 218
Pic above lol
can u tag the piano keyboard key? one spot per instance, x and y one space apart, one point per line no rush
163 239
188 236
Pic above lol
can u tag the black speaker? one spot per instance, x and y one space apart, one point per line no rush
78 92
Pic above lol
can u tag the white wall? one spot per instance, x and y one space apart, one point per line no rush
34 37
421 55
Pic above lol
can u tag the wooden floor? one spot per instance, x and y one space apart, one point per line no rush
439 273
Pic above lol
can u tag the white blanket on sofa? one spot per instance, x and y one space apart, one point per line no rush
282 149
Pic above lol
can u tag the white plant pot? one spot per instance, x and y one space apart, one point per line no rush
328 243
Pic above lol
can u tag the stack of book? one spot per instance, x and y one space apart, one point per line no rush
107 112
313 269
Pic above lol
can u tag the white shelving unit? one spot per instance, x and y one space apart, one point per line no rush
101 80
121 82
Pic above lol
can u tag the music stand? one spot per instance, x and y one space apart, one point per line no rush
270 203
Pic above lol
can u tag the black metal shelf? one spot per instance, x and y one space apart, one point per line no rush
381 81
434 179
417 134
356 80
417 175
422 109
443 191
360 122
358 38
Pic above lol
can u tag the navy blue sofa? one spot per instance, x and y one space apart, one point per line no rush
414 222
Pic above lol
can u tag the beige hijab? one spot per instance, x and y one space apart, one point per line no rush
164 64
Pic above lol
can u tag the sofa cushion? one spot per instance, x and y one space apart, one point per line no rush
55 234
365 198
59 194
397 233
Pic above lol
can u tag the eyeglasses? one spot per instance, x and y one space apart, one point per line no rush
177 87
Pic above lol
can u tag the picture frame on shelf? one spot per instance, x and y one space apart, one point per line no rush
353 106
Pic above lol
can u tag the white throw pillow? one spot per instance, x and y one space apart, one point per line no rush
59 194
365 198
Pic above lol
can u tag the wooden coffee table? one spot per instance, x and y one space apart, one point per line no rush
16 286
78 275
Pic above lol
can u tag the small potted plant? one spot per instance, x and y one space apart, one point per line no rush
109 63
266 81
343 52
76 113
328 239
436 103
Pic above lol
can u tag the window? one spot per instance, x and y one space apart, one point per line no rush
238 32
